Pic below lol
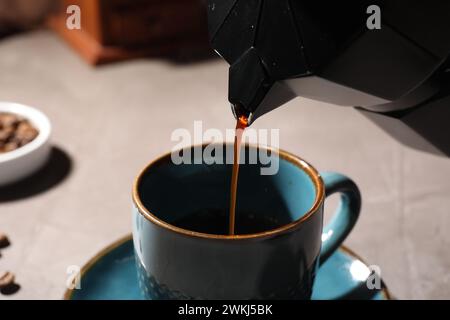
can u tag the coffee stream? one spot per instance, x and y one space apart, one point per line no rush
241 124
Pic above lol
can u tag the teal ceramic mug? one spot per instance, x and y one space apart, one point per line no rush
180 222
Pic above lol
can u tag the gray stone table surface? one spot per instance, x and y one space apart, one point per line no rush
112 120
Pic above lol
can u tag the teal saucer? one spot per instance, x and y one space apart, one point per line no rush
111 275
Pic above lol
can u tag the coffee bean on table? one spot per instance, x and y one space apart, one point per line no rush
6 279
4 241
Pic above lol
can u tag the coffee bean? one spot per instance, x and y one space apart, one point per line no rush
6 133
6 279
10 146
9 119
25 133
4 241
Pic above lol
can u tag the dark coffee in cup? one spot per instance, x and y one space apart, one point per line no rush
216 221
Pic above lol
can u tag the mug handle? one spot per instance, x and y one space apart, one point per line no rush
345 216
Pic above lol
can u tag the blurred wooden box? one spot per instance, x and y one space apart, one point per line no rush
114 30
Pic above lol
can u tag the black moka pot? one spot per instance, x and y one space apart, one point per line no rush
397 75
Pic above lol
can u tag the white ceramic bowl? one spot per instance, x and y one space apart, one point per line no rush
17 164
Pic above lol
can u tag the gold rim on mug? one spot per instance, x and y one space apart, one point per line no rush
68 294
293 159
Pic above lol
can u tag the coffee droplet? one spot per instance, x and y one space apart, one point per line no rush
243 122
7 279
